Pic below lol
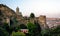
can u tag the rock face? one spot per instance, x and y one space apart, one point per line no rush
42 21
7 14
6 10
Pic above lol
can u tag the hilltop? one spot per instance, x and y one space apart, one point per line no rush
16 18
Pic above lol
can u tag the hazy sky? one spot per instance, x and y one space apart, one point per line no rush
50 8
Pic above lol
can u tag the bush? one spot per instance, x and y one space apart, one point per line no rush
22 26
33 29
18 34
51 32
3 32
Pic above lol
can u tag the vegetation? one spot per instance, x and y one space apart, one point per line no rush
18 34
22 26
51 32
38 29
32 15
33 29
3 32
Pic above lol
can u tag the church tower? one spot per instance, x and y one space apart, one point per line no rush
17 12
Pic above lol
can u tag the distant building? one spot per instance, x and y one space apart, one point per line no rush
24 30
53 22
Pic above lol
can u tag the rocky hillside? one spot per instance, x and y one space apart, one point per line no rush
6 11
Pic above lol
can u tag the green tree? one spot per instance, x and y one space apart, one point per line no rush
31 28
45 32
37 29
32 15
8 28
3 32
22 26
51 32
55 31
18 34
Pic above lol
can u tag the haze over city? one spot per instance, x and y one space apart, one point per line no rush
50 8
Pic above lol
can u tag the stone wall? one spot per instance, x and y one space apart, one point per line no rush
42 22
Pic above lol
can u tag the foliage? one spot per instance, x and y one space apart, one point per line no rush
15 29
32 15
18 34
3 32
45 32
22 26
13 21
56 31
6 26
37 29
32 29
51 32
30 25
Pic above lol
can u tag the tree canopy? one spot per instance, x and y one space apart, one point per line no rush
18 34
32 15
3 32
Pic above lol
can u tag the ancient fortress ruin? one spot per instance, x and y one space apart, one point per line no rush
9 14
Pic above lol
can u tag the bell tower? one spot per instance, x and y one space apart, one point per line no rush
18 12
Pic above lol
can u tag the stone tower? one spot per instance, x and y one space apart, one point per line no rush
18 12
42 21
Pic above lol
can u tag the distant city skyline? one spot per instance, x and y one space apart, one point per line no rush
50 8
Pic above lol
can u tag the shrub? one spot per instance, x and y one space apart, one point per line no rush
18 34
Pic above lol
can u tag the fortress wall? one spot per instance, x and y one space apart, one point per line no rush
42 22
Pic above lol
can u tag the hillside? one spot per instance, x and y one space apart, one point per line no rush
7 13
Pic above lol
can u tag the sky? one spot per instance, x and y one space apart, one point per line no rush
50 8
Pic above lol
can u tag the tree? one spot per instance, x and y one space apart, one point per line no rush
31 28
51 32
22 26
3 32
7 28
45 32
38 29
55 31
13 21
32 15
18 34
